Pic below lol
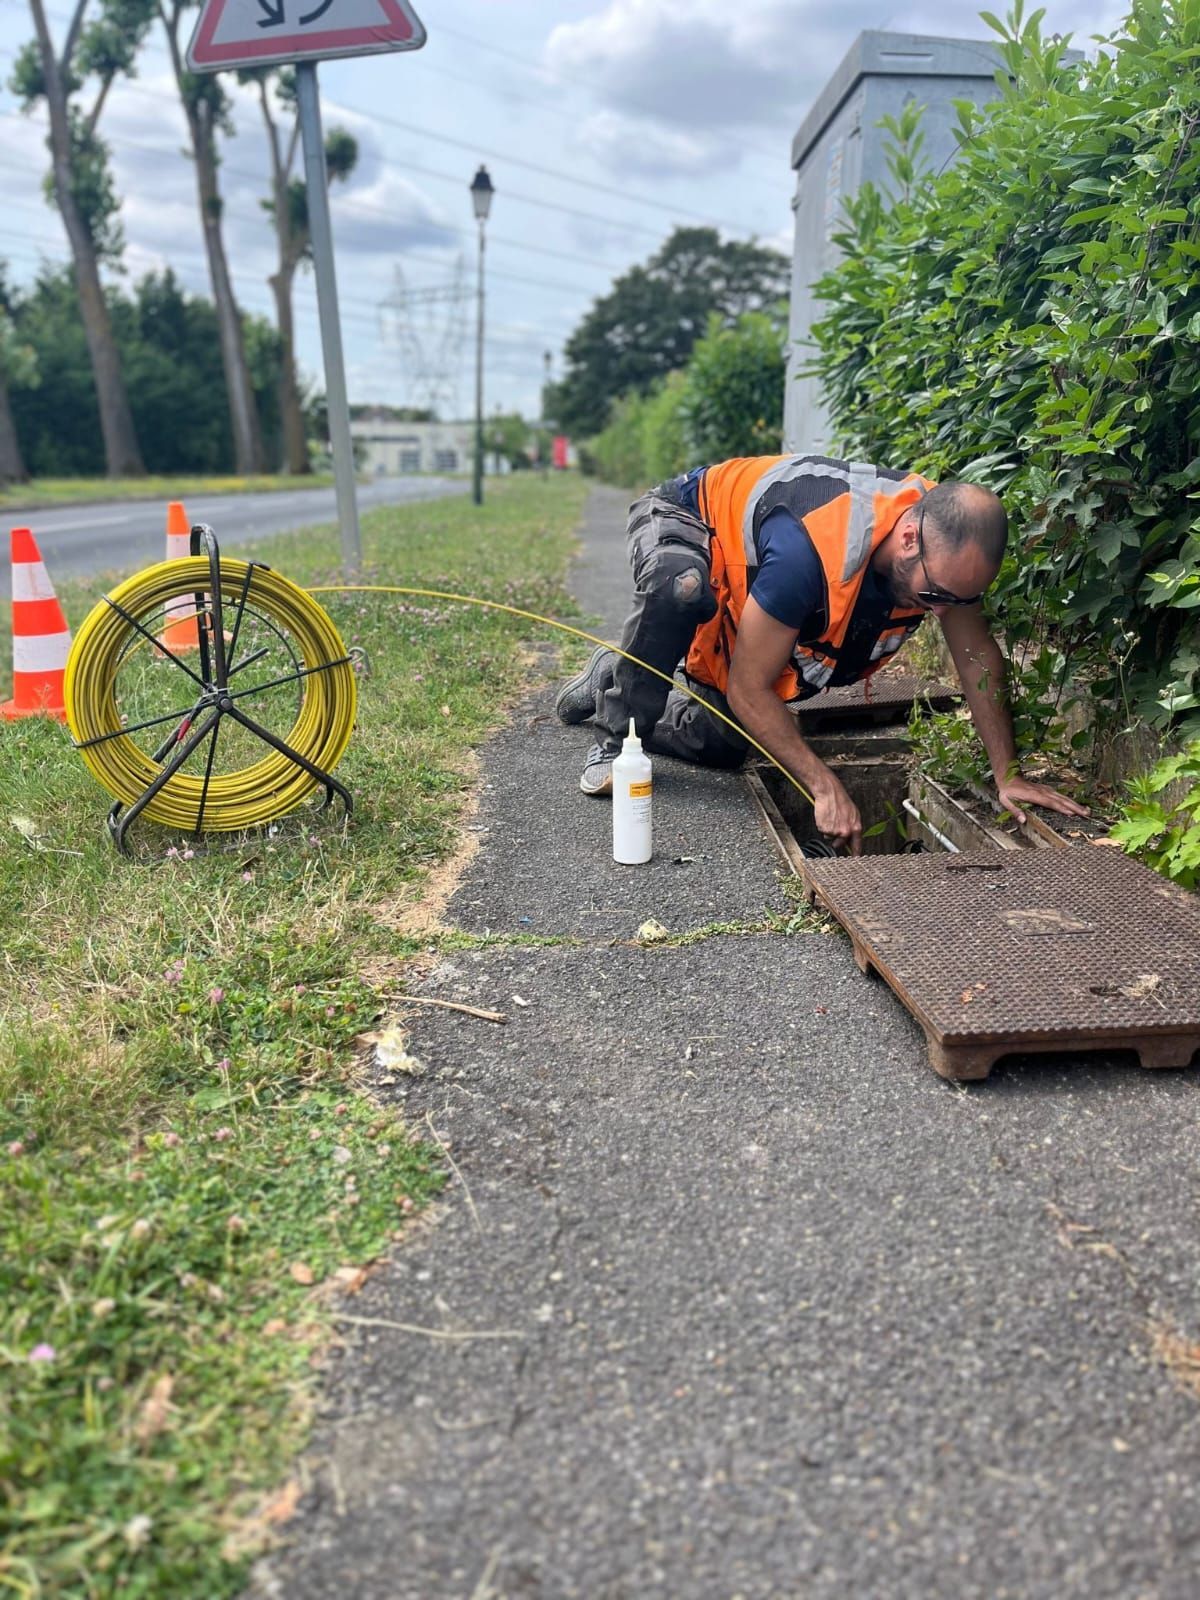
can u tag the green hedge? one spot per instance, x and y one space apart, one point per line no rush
1031 319
727 401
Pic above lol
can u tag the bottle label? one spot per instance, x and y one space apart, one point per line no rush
638 791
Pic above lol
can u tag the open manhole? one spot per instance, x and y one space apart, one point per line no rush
902 810
997 953
878 785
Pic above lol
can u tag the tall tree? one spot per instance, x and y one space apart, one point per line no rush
18 364
171 356
206 107
288 206
93 55
647 324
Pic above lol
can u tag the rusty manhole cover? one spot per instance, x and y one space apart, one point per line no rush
1029 951
887 697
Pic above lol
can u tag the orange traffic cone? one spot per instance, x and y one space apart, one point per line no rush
41 638
182 631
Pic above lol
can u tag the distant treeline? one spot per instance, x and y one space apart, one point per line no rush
70 82
170 354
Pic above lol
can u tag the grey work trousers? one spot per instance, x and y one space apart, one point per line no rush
668 552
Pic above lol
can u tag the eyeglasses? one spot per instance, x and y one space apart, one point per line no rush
933 596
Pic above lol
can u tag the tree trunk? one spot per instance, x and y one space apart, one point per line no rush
295 444
12 466
122 456
243 414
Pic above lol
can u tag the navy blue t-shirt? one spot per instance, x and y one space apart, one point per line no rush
790 583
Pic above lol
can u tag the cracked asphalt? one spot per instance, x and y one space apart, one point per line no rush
732 1296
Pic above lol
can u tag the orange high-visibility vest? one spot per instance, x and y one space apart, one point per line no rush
847 510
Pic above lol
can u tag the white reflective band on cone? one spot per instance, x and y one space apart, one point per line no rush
45 652
31 581
179 545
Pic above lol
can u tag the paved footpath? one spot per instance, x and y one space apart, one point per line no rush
783 1313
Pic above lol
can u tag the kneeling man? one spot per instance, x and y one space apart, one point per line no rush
773 578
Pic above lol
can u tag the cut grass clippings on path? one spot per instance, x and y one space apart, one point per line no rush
184 1150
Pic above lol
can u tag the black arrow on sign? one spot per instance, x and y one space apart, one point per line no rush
272 13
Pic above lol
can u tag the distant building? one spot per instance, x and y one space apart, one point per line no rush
388 448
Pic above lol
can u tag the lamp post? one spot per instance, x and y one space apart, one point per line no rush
481 198
544 441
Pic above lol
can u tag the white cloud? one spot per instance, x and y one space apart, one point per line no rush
699 69
645 148
704 65
708 91
388 216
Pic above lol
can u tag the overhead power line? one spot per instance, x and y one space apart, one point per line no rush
574 179
643 108
363 312
339 202
577 182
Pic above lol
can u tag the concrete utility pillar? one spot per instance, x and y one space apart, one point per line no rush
840 146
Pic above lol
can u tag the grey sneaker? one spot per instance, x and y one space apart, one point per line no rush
576 700
597 771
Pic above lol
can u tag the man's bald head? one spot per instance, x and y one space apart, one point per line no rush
962 514
950 543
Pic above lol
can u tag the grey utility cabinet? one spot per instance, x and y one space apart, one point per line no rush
840 146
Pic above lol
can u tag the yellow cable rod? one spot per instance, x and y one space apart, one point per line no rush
563 627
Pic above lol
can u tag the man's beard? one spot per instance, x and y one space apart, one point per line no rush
905 579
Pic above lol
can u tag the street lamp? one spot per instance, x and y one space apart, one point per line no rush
544 443
481 198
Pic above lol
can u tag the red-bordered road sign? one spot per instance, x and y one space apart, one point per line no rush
260 33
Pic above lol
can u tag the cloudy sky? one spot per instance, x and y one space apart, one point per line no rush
603 123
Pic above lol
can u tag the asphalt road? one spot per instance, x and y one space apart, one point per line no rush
730 1296
81 540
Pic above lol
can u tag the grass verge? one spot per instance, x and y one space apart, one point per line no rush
184 1149
72 491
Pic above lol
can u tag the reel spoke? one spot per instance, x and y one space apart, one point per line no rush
249 661
208 766
138 727
292 677
237 621
157 643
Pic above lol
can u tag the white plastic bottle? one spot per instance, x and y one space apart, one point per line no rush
633 795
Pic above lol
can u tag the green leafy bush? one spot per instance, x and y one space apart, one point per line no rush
727 401
618 453
1164 834
732 396
1031 319
664 442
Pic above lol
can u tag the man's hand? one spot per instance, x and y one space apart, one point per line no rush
837 816
1017 791
981 667
764 647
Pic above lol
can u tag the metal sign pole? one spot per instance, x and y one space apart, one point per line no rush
308 107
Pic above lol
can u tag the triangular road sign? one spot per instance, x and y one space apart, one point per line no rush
261 33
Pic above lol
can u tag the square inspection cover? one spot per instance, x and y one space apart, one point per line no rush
1025 951
888 697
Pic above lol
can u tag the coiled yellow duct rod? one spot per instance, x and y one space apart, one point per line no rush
256 794
272 786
